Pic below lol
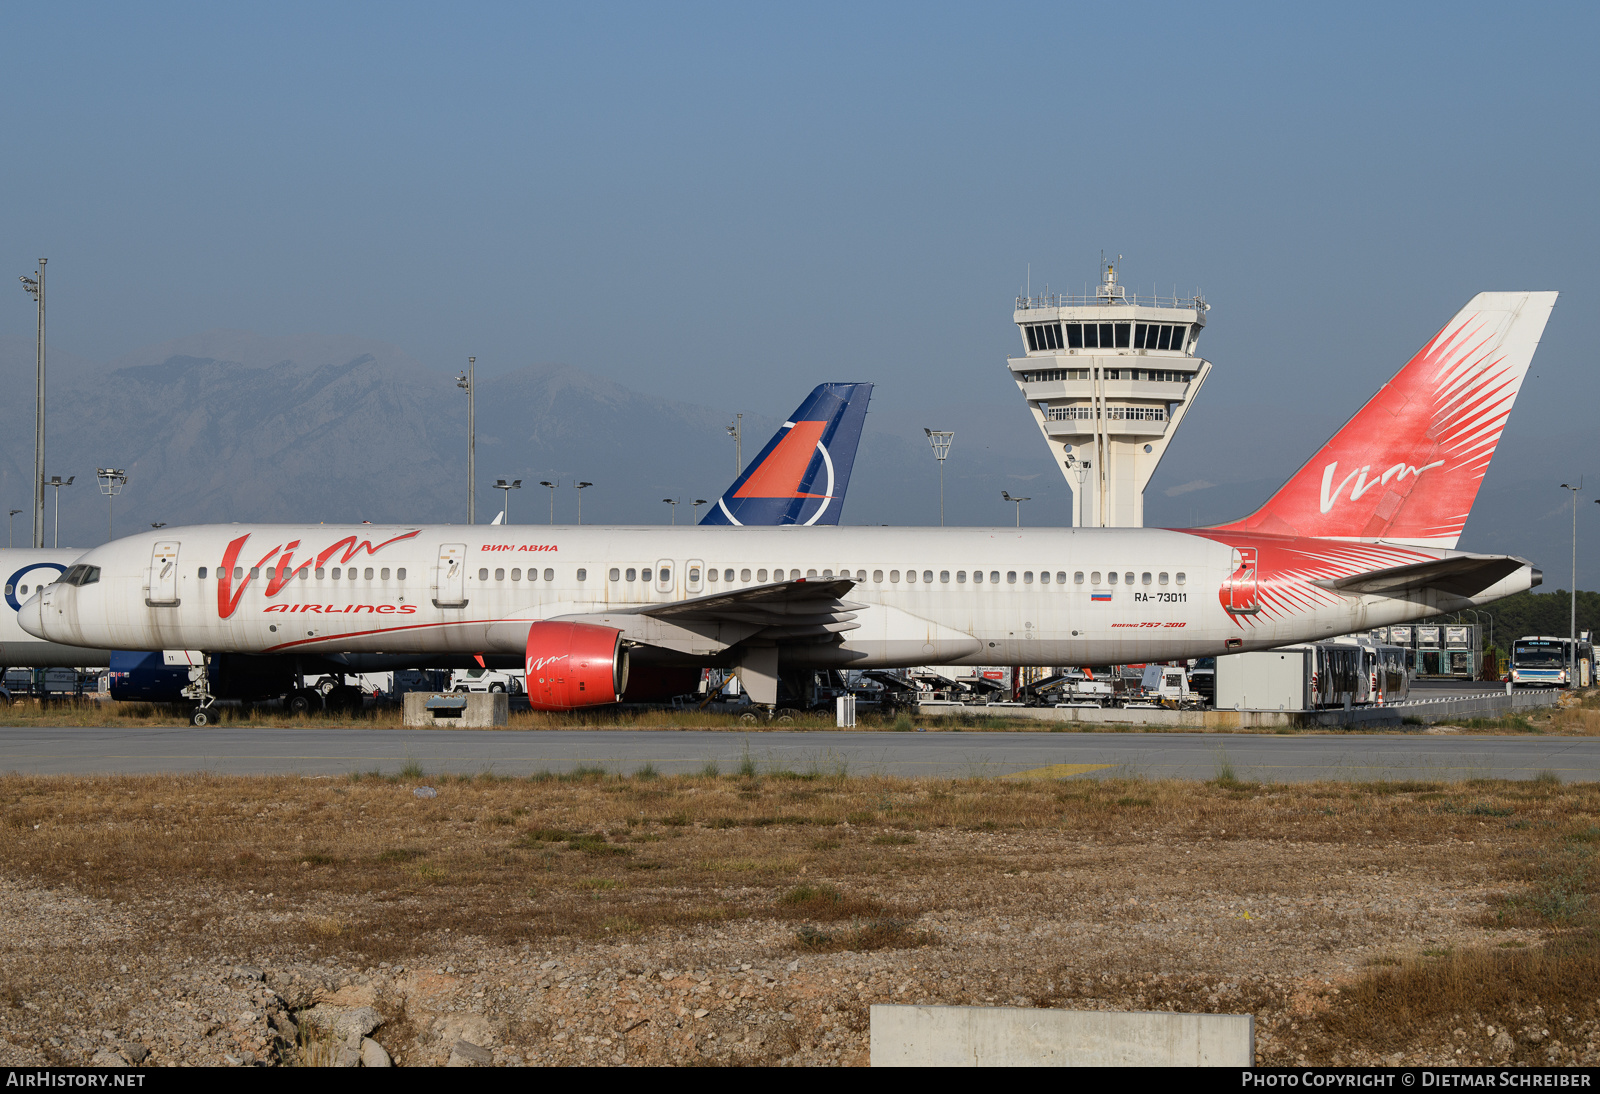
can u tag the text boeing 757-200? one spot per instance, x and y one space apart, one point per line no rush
574 605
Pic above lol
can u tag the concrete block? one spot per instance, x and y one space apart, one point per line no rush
907 1036
457 710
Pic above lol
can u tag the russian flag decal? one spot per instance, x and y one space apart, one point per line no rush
1106 597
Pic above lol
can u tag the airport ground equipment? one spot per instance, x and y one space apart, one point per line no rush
1108 378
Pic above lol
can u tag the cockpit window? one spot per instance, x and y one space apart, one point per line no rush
80 575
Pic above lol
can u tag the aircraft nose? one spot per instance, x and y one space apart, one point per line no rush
30 616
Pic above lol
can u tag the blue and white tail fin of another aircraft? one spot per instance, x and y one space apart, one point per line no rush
801 475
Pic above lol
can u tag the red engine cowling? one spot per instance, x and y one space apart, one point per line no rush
572 665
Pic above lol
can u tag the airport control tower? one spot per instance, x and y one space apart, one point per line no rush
1108 378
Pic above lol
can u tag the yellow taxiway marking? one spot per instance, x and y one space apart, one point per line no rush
1057 771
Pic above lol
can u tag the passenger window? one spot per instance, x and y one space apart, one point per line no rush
1027 577
550 575
336 573
11 590
711 573
777 575
727 575
813 573
1111 578
583 575
255 572
202 573
744 575
1094 578
1011 577
320 572
994 577
977 577
367 573
877 575
961 577
499 575
1061 577
1144 578
516 575
1044 577
616 574
894 575
1128 578
1162 578
644 575
351 573
483 575
632 574
400 574
1180 577
761 575
944 576
384 576
861 575
911 575
927 575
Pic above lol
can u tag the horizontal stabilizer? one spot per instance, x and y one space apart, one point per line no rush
1463 575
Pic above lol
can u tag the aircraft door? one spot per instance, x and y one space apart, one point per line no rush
450 576
694 576
664 576
162 587
1239 594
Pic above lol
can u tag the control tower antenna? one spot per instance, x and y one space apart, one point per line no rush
1108 378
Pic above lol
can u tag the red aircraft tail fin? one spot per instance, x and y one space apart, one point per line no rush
1407 467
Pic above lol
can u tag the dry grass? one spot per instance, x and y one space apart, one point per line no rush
361 870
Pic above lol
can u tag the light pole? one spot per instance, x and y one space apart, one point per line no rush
552 486
502 484
10 517
580 487
736 431
695 518
35 287
1080 470
674 503
112 480
941 448
1572 647
58 482
465 383
1019 502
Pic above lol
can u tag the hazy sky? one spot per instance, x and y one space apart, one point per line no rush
729 203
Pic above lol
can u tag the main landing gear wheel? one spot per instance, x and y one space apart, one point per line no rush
202 717
304 701
748 717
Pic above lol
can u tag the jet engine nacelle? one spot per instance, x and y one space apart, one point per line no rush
572 665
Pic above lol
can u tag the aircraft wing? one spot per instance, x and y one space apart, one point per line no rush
1462 575
807 609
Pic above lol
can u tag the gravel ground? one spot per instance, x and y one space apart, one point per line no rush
1245 901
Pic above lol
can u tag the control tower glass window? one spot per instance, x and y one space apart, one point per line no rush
1044 336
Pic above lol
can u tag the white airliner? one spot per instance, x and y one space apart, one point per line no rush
26 570
1361 536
